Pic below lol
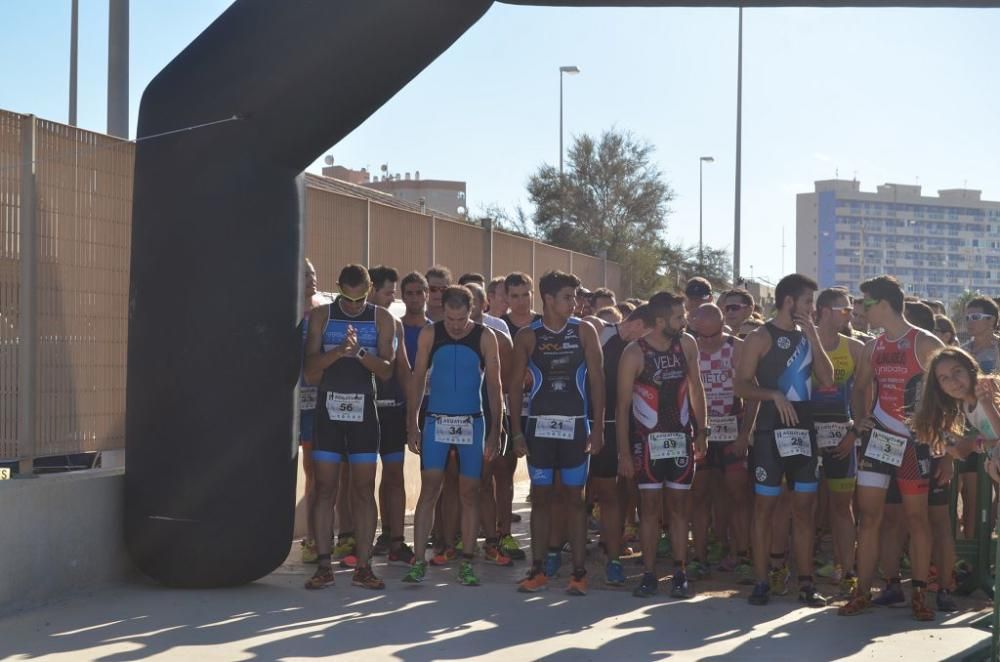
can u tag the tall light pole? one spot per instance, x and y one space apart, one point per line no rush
118 53
572 71
74 40
739 150
701 247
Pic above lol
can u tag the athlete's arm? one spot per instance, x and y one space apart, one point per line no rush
505 348
594 355
745 383
381 365
750 409
629 367
822 366
316 359
696 393
861 401
523 342
927 344
402 361
417 385
488 346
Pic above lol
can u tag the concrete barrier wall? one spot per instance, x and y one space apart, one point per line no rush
60 534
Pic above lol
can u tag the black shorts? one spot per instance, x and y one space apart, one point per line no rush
938 494
676 473
969 465
769 468
547 455
718 458
912 474
840 475
605 463
354 441
392 433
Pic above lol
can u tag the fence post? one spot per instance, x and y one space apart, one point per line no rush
571 261
368 234
604 269
433 240
28 304
488 246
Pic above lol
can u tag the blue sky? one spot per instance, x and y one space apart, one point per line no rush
886 95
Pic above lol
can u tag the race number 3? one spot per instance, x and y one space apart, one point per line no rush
885 447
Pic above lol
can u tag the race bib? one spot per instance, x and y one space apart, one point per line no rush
829 435
453 430
346 407
525 403
724 428
307 398
385 403
667 445
885 447
793 441
555 427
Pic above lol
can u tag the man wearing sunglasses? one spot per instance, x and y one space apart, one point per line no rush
892 367
831 411
737 308
696 292
981 315
350 342
778 366
438 280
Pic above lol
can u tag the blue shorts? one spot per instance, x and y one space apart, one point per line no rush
434 454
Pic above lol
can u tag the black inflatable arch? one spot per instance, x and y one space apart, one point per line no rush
213 352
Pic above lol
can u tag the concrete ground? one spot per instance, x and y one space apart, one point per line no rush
275 618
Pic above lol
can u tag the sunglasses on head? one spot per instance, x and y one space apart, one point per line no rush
736 307
977 317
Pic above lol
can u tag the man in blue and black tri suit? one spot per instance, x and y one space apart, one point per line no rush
460 355
779 363
563 355
350 343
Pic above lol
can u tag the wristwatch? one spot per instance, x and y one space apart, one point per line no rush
707 430
362 353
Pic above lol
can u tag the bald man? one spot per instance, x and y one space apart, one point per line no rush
722 481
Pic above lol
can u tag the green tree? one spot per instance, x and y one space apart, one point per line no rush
612 198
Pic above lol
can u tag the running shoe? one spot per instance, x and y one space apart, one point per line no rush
344 547
534 582
515 517
577 583
309 552
403 555
365 578
663 548
510 548
778 580
714 553
761 594
381 546
614 574
696 570
417 573
679 586
829 571
918 604
349 561
466 577
493 553
744 574
446 556
809 597
858 604
727 564
647 588
322 578
945 601
551 564
890 596
848 585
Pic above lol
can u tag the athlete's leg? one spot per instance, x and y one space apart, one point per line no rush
504 479
423 519
451 504
892 540
558 513
871 505
764 508
842 525
918 523
700 505
309 470
469 491
677 514
781 524
944 544
606 493
393 499
345 514
541 503
327 472
650 502
804 531
737 485
363 507
487 499
575 512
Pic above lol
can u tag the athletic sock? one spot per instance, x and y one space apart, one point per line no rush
916 583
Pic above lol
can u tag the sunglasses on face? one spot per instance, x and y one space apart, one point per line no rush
353 299
437 288
735 307
868 303
844 310
977 317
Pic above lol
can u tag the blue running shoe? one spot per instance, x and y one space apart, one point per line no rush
890 596
551 565
761 594
614 573
647 587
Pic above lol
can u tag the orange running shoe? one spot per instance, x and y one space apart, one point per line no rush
577 583
492 553
447 555
534 582
921 610
859 603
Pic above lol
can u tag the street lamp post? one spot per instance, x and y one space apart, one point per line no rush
572 71
701 247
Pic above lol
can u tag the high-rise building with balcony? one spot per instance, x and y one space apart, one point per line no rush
937 247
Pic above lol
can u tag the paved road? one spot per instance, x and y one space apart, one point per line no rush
276 619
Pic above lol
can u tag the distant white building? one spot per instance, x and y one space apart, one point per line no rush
937 247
